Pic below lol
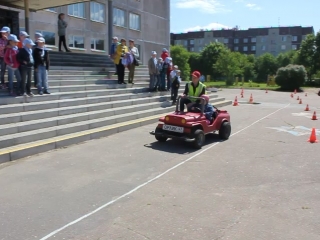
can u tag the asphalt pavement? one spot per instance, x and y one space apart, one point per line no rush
263 183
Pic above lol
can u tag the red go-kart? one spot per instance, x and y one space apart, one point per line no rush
192 126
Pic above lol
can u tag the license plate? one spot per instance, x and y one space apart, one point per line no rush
173 128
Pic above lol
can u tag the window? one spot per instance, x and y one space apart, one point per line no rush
191 41
76 10
178 42
200 49
283 47
253 48
134 21
50 37
245 48
200 41
76 41
294 38
245 40
192 49
185 43
52 9
119 17
236 48
284 38
97 11
226 40
263 48
262 39
97 44
236 40
253 40
294 47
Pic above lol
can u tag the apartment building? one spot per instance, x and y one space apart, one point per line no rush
257 41
146 22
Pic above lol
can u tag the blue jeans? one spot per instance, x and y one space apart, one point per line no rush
153 81
162 81
42 77
16 73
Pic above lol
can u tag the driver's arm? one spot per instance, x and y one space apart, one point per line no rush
186 90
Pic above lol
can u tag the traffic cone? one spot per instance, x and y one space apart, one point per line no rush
266 90
298 98
307 108
291 95
313 136
300 102
235 102
241 95
295 91
306 95
251 99
314 116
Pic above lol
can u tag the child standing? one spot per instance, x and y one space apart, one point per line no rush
10 59
41 66
159 67
175 87
26 62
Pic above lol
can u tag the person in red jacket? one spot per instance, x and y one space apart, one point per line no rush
10 59
164 54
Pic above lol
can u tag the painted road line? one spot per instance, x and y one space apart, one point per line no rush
155 178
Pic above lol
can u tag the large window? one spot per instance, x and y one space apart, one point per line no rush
97 11
294 38
119 18
76 10
50 37
97 44
134 21
76 41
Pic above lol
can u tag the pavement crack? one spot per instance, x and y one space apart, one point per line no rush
289 124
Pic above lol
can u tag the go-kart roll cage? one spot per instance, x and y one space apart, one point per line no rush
202 101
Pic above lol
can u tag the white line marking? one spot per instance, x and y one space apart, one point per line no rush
153 179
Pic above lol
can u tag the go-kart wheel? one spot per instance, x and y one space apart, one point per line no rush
199 139
225 130
159 137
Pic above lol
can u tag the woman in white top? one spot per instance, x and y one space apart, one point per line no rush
135 52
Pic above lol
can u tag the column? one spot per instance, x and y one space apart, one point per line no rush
110 23
26 12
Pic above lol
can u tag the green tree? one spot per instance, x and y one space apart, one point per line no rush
230 64
209 57
284 59
291 77
249 72
266 65
307 54
195 62
180 56
316 57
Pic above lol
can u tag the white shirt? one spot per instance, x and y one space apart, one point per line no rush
173 74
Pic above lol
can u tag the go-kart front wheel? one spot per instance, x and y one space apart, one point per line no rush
160 138
199 139
225 130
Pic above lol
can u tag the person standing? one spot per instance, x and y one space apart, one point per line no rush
22 36
195 88
25 58
37 35
169 69
10 59
165 54
41 66
120 54
135 53
113 50
152 66
175 87
5 31
162 76
62 25
159 67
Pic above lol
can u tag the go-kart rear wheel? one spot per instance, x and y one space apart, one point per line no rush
199 139
159 137
225 130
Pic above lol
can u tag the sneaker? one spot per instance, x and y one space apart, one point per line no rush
40 93
25 95
46 92
30 94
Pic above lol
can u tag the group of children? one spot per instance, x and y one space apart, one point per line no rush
20 57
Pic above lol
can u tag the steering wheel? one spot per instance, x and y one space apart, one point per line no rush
196 110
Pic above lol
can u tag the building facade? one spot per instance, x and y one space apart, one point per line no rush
146 22
257 41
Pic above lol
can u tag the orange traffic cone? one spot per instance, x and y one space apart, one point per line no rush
295 91
307 108
300 102
241 95
314 116
298 98
306 95
251 99
313 136
291 95
235 102
266 90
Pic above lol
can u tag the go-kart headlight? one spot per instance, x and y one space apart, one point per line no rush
167 118
183 121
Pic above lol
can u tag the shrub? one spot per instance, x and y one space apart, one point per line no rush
291 77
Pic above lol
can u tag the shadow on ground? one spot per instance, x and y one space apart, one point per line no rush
181 147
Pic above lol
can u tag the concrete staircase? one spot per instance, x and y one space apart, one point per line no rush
84 104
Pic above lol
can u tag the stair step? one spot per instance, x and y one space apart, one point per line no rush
22 150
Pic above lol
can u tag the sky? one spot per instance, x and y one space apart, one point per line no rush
192 15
